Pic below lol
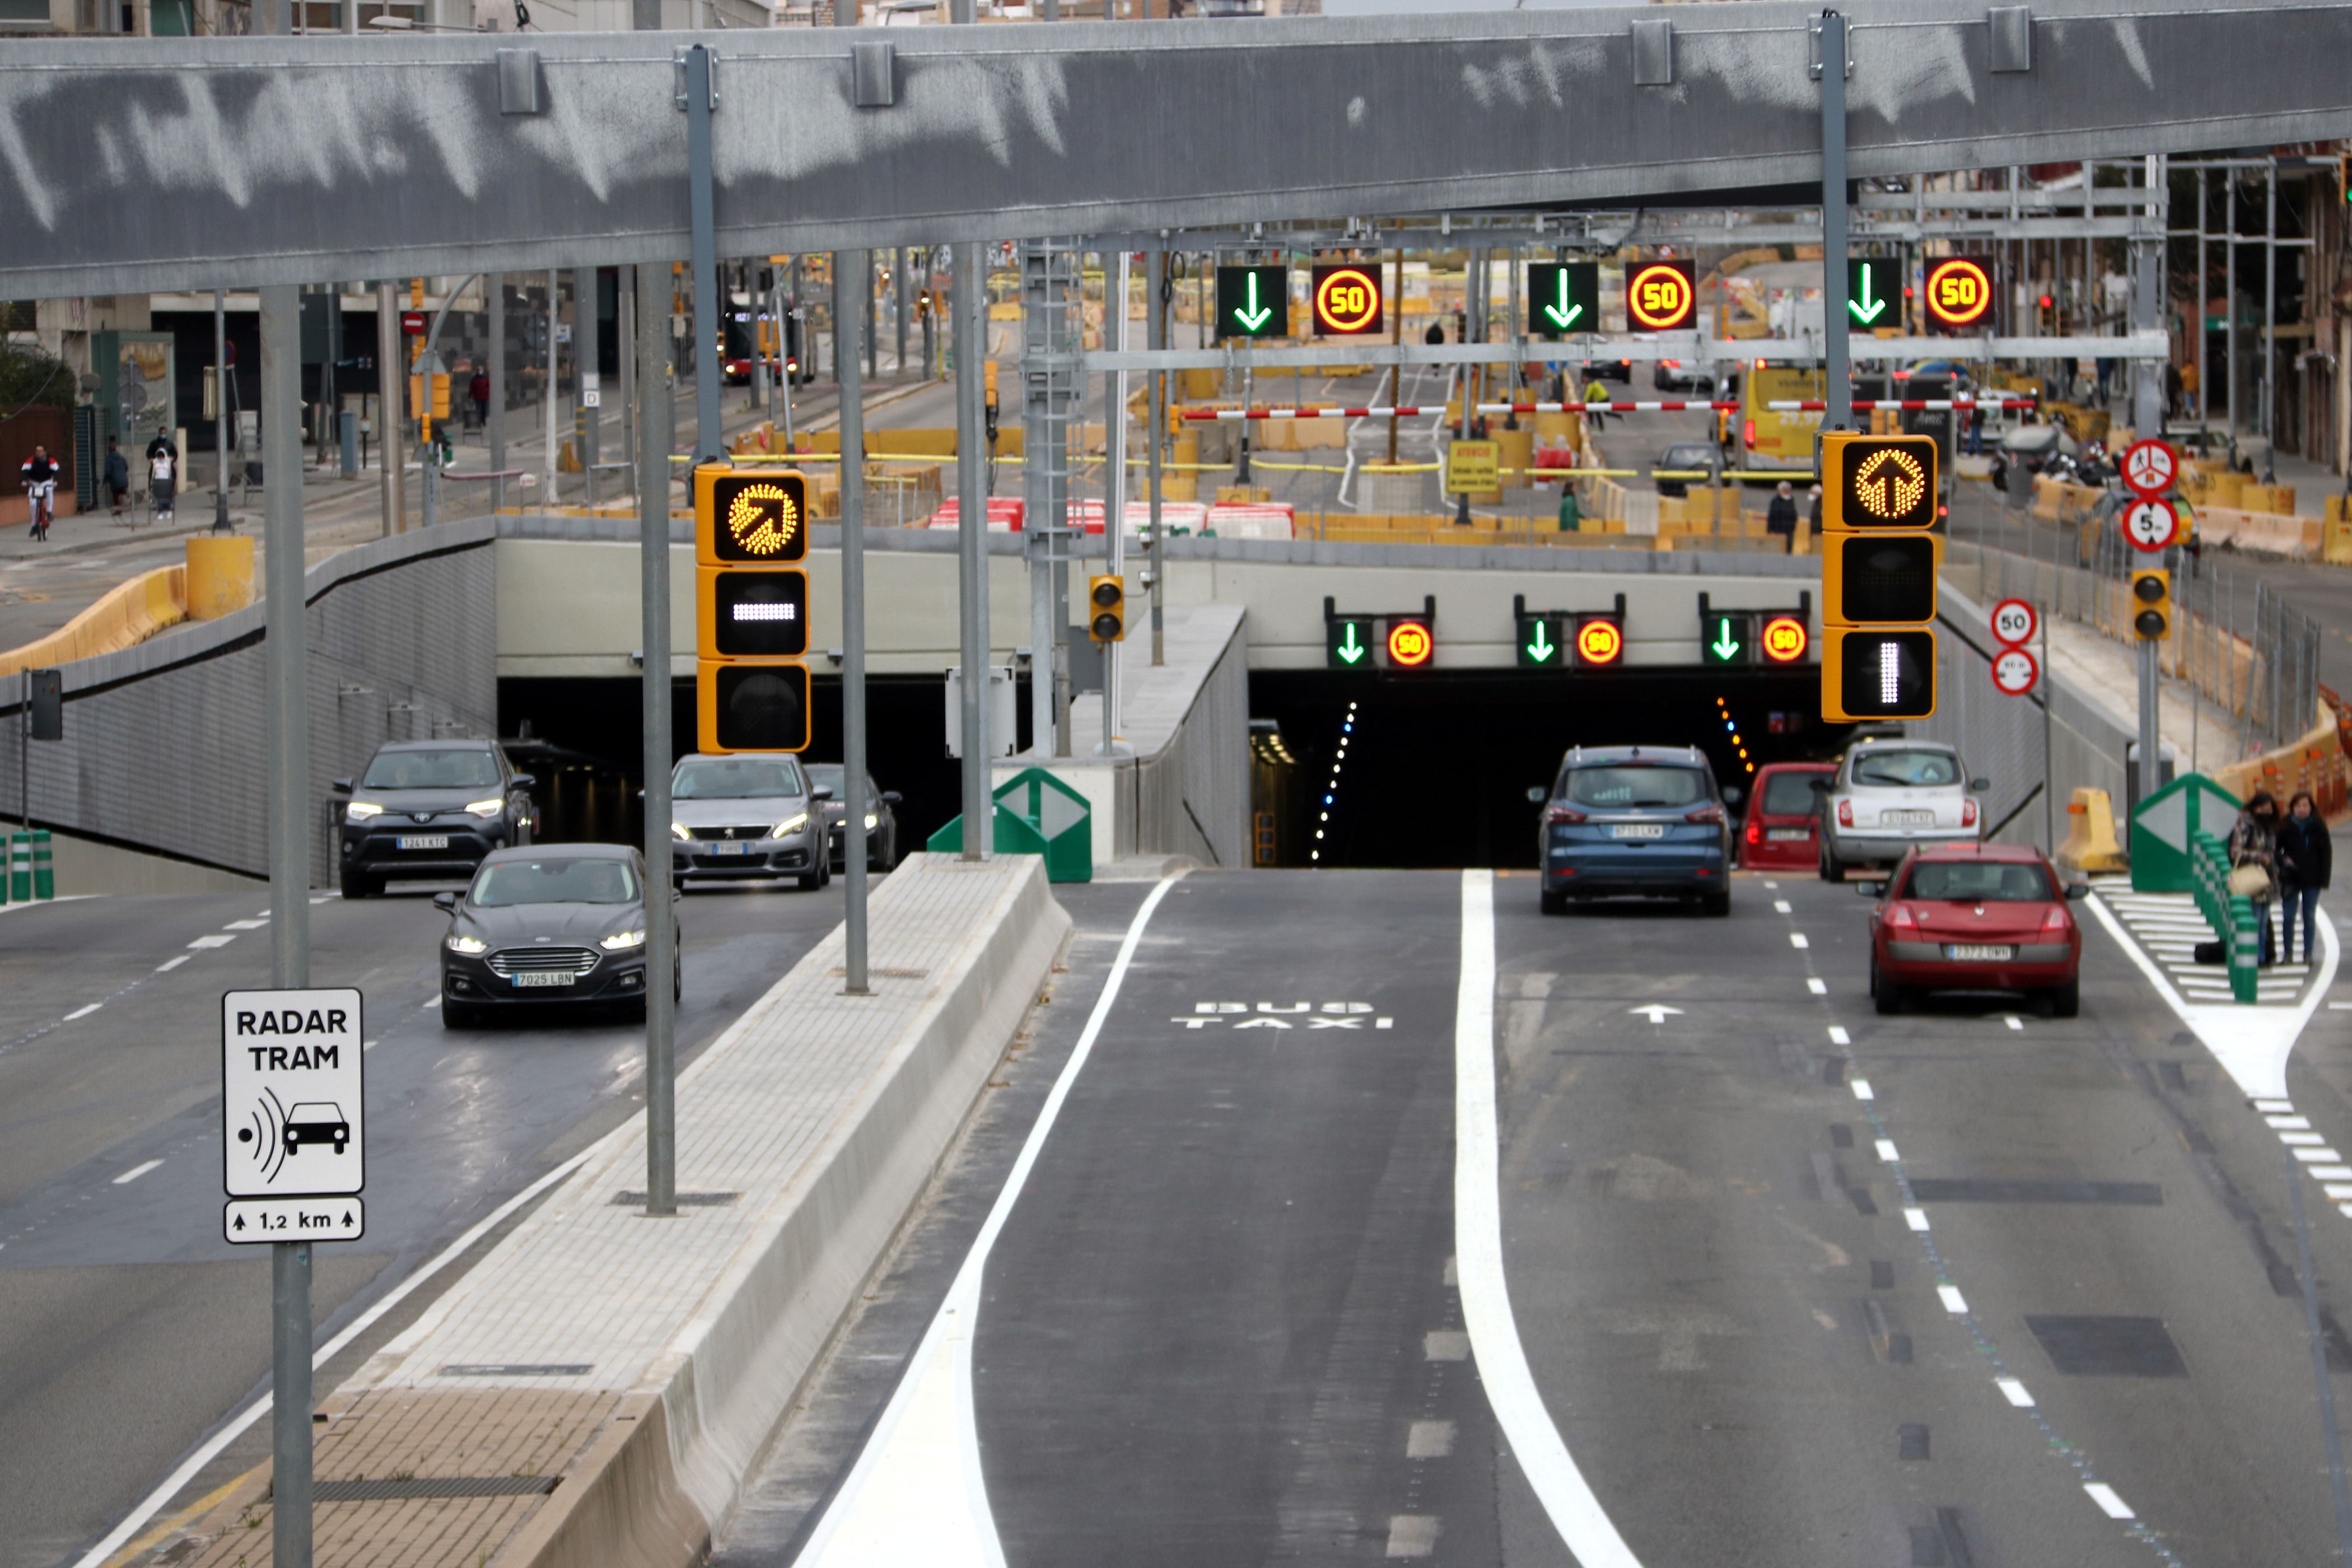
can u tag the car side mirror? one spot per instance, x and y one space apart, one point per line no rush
1870 889
1732 794
1538 795
822 792
2078 890
524 781
446 902
1978 786
892 797
341 786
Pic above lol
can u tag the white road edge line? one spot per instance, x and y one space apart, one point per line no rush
135 1172
895 1505
234 1427
1527 1428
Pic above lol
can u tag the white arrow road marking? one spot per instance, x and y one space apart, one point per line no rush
1657 1012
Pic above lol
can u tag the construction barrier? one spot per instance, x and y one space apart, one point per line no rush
128 614
2091 845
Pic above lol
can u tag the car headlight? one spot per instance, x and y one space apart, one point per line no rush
872 822
677 830
789 826
361 810
456 942
486 808
622 940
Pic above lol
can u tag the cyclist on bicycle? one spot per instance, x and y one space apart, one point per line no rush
41 479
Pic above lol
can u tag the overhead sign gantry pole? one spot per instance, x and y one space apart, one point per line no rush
1831 69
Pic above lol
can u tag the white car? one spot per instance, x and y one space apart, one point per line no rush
1890 795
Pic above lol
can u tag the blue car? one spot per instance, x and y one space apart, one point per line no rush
1643 821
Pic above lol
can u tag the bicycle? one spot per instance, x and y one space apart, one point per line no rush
43 495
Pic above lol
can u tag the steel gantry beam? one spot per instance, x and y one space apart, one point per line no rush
147 163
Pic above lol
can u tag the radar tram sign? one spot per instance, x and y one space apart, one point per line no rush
293 1127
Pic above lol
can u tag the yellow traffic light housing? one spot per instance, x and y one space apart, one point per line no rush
752 609
2152 607
1879 557
1107 609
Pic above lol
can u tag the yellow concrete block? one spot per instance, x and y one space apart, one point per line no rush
2336 546
219 575
1519 455
2091 844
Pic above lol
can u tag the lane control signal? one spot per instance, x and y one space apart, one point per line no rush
1107 609
752 603
1879 555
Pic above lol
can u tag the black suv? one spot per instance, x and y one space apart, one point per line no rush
430 808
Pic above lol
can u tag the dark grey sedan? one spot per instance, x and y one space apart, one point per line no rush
881 816
552 924
430 808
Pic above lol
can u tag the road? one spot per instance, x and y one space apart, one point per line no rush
1225 1318
128 1329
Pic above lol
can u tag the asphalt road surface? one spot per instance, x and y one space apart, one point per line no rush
128 1327
1795 1283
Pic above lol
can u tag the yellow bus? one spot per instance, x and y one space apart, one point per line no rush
1779 439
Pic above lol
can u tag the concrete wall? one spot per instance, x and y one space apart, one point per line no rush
166 744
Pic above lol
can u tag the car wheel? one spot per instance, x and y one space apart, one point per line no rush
356 886
1884 993
1832 870
1555 903
1716 903
459 1015
811 880
2066 1000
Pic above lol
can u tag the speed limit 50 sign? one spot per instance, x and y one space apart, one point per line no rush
2014 622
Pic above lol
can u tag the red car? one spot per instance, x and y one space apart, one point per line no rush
1975 917
1783 829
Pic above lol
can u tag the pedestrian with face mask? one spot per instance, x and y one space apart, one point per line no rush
2253 865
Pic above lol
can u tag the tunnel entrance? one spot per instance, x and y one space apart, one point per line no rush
1437 765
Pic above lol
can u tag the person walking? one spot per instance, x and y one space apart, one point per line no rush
1596 399
40 480
2305 858
1781 516
479 390
2253 865
1571 515
118 474
163 475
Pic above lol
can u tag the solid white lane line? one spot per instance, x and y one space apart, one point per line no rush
1817 986
171 964
1862 1089
234 1427
1797 938
2014 1392
916 1493
1954 1303
1528 1430
135 1172
1838 1036
2109 1503
82 1012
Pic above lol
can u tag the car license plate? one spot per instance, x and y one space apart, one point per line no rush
1966 952
729 850
1908 818
1788 834
424 841
1638 830
544 977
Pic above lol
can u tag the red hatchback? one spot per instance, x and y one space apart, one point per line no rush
1975 917
1783 830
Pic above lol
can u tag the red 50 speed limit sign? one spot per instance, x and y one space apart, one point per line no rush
2150 523
2014 622
2014 672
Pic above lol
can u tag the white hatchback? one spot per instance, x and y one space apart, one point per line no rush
1889 796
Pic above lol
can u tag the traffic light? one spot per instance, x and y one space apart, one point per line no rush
1107 609
1879 554
751 601
1564 297
428 398
2151 588
1254 301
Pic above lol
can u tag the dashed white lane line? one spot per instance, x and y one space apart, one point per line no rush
1411 1534
1862 1089
171 964
1797 938
1817 986
214 940
1886 1151
1954 1303
434 1003
1781 906
2109 1503
2013 1020
2014 1392
245 925
368 1045
1838 1036
83 1012
136 1172
1916 1219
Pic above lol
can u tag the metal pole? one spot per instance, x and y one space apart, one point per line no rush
898 281
626 358
661 944
2204 292
864 319
290 876
848 309
972 532
390 388
1155 331
587 355
1396 335
220 410
707 446
2049 776
2230 302
1115 279
494 413
547 398
2270 320
1840 378
2149 737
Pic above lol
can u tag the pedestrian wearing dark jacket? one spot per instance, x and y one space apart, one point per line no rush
2304 859
1781 516
2254 841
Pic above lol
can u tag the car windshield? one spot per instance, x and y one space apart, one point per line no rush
1905 770
472 768
1979 882
735 778
1790 794
568 880
1636 785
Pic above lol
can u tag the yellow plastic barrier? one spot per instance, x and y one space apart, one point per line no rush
220 576
2091 844
128 614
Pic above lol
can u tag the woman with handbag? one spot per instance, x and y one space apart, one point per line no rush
2253 865
2305 862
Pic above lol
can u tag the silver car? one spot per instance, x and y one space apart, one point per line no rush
735 818
1889 796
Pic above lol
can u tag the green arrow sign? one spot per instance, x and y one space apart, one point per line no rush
1540 645
1725 645
1252 301
1867 295
1566 296
1347 642
1562 310
1725 636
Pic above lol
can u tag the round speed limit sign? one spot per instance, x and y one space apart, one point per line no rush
2014 622
2150 523
2014 672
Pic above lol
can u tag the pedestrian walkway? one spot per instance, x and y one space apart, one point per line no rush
2167 927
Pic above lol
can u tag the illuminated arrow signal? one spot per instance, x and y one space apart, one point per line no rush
1540 648
1349 648
1562 313
1725 644
1255 315
1866 309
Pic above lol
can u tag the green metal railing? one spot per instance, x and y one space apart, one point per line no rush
2230 914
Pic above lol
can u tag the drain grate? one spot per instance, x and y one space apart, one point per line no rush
2108 1347
685 1200
414 1489
1991 1189
518 1369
